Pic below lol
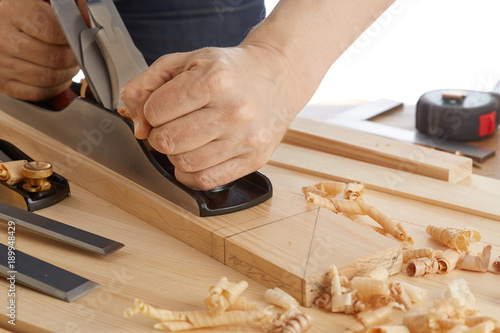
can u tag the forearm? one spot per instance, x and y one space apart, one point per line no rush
313 34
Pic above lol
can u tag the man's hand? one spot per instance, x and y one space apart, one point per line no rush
36 61
218 114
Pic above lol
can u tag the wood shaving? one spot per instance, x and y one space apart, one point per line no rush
422 266
378 317
353 191
416 294
454 238
239 311
346 198
280 298
366 287
455 313
223 294
479 262
496 265
378 272
11 172
420 252
339 300
422 322
291 322
449 260
400 295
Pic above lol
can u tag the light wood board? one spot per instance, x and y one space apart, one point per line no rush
377 150
397 182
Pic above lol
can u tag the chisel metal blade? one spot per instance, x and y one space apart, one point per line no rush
60 231
43 276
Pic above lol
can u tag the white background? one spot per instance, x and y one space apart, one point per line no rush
417 46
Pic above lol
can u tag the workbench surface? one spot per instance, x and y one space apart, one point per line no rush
167 273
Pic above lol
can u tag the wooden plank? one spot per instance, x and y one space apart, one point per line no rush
206 234
396 182
297 260
378 150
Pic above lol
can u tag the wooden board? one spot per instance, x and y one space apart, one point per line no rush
378 150
227 237
396 182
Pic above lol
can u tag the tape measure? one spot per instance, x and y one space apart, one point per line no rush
460 115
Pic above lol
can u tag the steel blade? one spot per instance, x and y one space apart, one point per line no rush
60 231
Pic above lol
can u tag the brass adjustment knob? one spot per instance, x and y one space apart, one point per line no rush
36 174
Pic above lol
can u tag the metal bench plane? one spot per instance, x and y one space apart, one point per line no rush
93 127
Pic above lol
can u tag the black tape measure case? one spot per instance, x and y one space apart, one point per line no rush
460 115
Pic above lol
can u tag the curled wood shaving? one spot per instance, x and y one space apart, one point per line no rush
454 313
339 298
422 322
378 272
479 262
280 298
422 266
400 295
420 252
378 301
366 287
496 265
449 260
352 204
325 189
177 320
390 226
239 311
223 294
454 238
356 307
332 188
378 317
291 321
353 191
11 172
416 294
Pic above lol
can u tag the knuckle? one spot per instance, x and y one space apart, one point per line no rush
204 181
163 142
219 79
129 93
49 77
182 162
61 58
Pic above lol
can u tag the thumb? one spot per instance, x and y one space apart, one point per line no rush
137 91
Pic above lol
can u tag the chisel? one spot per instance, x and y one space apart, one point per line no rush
60 231
40 275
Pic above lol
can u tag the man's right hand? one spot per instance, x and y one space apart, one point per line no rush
36 61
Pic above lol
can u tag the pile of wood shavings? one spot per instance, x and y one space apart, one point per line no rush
225 306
